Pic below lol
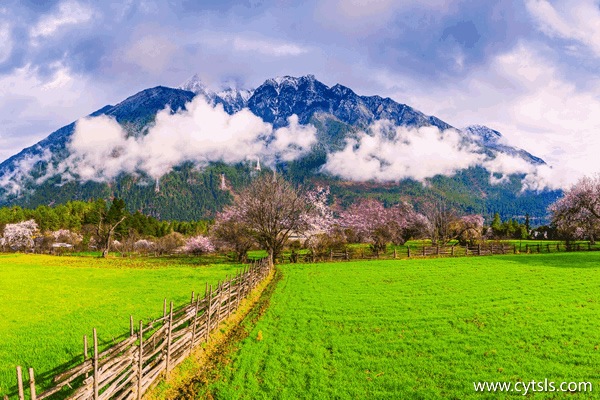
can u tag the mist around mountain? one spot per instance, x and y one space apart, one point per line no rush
166 151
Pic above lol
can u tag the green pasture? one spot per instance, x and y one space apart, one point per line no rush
48 303
422 329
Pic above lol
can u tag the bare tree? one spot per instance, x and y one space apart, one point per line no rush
270 210
440 221
106 222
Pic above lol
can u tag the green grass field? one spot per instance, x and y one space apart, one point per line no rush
48 303
422 329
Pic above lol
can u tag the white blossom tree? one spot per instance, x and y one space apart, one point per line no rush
20 236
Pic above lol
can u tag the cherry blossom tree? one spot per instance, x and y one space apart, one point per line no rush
468 229
198 245
576 215
269 210
231 234
371 222
19 236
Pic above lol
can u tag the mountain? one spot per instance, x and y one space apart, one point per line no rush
339 116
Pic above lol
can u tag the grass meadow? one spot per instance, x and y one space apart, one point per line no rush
48 303
423 328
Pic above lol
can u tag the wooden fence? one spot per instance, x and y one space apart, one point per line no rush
486 249
127 369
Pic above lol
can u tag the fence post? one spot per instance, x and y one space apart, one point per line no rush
195 322
219 302
208 312
96 375
548 248
32 384
229 299
466 250
20 383
514 249
437 250
140 362
330 255
526 248
478 249
538 248
423 250
348 255
408 251
589 246
169 335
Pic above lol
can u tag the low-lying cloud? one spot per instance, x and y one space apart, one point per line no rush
390 153
100 149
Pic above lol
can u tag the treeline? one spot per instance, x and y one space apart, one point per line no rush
83 217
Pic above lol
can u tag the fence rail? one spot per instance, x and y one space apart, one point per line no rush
437 251
127 369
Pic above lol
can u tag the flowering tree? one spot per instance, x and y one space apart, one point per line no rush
468 229
576 215
66 236
20 236
198 245
231 234
371 222
269 210
144 246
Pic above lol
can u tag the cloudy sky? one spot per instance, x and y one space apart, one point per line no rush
526 68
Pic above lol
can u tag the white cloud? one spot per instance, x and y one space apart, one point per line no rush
267 47
101 149
524 95
6 42
574 20
69 12
34 105
153 53
391 153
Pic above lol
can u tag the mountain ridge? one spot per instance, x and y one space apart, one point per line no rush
337 113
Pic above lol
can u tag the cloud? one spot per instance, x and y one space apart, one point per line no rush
69 13
101 149
389 153
573 20
526 95
268 47
36 104
6 42
11 182
153 53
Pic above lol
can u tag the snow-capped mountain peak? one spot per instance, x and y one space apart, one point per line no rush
195 85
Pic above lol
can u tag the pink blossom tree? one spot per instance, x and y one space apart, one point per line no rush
269 211
468 229
198 245
576 215
229 233
371 222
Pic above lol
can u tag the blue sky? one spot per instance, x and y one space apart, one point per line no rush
526 68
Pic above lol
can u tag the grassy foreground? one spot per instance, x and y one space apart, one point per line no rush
422 329
48 303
